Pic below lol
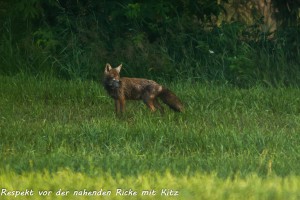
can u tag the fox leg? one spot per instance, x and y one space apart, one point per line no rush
117 106
122 104
149 101
151 105
158 105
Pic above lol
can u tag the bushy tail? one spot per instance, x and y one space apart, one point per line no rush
169 98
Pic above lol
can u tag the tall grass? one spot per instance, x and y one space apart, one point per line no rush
51 124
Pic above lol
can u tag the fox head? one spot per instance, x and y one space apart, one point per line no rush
112 76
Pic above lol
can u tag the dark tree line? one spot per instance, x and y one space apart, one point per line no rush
205 39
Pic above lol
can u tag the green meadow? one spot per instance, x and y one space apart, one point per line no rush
230 143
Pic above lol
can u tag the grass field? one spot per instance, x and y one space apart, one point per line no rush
229 144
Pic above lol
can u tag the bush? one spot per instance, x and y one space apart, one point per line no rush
167 40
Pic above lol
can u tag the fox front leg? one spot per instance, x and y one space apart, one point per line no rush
122 105
117 106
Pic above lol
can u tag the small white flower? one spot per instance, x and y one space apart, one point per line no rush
211 51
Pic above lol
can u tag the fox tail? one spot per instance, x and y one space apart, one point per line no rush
169 98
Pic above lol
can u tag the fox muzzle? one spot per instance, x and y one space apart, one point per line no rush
114 83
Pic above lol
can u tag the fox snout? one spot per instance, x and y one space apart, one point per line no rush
114 83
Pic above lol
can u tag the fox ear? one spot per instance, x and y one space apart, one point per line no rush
118 68
107 68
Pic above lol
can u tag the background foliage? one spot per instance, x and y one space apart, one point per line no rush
236 41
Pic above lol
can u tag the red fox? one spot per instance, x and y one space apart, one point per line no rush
121 89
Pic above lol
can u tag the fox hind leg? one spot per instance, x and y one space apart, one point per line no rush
151 106
149 101
158 105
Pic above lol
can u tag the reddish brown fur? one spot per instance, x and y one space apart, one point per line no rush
121 89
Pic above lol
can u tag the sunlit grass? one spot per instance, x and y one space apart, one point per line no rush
66 184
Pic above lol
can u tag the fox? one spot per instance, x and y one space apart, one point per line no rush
124 88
